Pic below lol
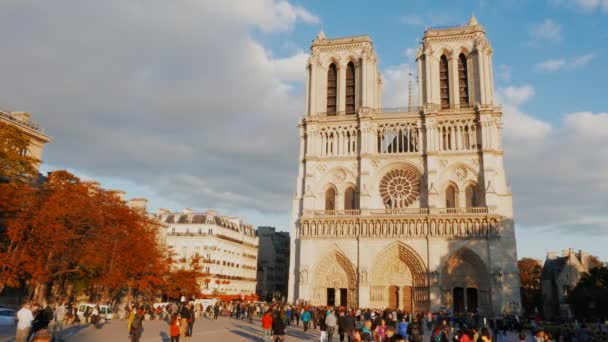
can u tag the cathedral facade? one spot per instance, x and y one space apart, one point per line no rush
403 207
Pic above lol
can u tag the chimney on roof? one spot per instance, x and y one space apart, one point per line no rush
551 255
187 211
211 212
162 211
139 204
21 116
119 194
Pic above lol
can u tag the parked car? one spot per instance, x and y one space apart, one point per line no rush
105 311
7 317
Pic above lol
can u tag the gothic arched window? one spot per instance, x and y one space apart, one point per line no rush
332 89
451 193
350 88
463 81
349 198
471 196
330 199
444 82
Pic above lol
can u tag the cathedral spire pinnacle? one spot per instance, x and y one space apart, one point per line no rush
321 35
473 21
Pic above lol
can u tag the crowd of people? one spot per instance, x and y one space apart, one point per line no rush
38 322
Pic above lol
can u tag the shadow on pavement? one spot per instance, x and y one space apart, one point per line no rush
246 335
165 337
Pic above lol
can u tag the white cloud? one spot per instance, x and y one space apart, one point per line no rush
174 96
516 95
551 65
547 31
588 6
395 80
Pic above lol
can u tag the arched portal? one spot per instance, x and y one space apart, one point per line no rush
465 282
335 281
399 279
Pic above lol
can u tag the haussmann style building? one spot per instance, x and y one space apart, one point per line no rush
227 247
405 207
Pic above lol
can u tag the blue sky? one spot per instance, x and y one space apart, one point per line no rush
194 104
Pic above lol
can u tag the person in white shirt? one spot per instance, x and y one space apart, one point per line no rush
60 312
24 324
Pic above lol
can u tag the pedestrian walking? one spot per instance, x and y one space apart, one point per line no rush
24 323
331 322
278 327
136 327
60 314
174 330
267 325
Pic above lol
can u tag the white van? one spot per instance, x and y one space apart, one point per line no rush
104 310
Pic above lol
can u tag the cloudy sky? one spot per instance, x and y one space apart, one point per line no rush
194 103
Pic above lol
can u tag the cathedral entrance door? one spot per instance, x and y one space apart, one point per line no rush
458 296
407 299
393 297
331 296
472 301
343 297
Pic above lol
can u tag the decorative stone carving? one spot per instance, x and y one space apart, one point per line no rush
339 176
321 168
400 188
461 173
443 162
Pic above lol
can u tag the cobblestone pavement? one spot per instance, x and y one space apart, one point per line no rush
223 330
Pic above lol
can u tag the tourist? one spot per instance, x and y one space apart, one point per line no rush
350 325
366 333
184 315
278 327
136 326
216 310
190 321
380 330
404 327
174 329
331 322
485 335
342 326
60 315
267 325
24 323
95 316
356 336
322 326
306 317
439 335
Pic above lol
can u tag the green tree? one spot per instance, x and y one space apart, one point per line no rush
589 299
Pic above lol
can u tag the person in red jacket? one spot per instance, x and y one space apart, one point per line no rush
267 325
174 328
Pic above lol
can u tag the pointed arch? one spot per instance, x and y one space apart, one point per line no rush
330 198
332 89
465 282
398 251
463 80
470 194
444 81
350 88
334 271
451 195
350 200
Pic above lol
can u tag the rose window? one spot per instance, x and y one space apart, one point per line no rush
400 188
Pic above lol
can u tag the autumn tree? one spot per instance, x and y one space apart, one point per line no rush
72 231
185 281
15 161
530 272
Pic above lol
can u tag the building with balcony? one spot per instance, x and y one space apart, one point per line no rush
227 248
31 129
403 207
273 264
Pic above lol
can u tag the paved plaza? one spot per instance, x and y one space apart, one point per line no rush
224 330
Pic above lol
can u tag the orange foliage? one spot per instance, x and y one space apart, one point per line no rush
71 229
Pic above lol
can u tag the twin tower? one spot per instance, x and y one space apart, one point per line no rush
403 207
